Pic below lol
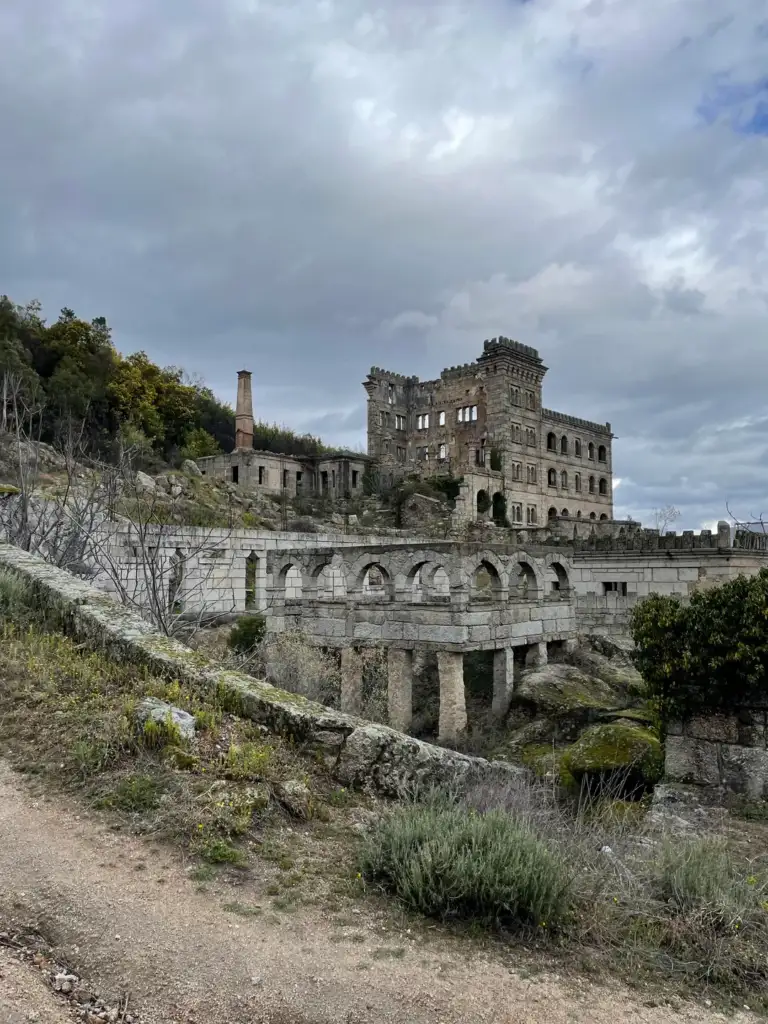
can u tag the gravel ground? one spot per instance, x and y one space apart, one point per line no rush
24 996
128 918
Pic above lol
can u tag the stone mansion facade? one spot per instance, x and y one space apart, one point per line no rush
485 421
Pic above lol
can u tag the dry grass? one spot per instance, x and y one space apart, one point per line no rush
67 715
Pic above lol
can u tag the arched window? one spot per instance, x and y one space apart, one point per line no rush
602 453
603 485
578 514
564 480
565 513
591 451
577 481
552 513
551 443
577 448
591 485
603 516
592 515
563 445
552 477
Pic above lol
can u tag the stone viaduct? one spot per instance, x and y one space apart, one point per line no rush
439 597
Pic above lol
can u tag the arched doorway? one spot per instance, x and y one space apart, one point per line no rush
499 507
483 502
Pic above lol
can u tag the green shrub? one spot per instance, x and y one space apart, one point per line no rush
134 793
247 633
448 861
709 654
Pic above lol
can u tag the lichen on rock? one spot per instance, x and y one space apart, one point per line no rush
619 755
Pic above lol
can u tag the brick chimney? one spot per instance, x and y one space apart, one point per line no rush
244 411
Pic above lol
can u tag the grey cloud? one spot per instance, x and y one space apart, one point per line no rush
205 176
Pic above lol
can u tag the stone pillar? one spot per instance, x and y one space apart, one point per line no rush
503 680
537 655
351 681
453 705
400 689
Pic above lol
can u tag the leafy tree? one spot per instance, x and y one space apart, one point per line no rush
708 655
199 444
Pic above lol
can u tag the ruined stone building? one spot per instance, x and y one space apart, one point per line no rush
485 421
332 475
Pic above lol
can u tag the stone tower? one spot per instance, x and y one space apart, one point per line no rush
244 411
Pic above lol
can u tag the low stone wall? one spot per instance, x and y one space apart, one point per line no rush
359 753
720 754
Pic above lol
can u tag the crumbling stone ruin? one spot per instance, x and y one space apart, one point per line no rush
485 422
332 476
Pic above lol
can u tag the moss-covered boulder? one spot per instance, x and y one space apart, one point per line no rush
564 691
622 757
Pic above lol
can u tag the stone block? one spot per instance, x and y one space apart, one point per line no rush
664 575
745 770
691 761
716 728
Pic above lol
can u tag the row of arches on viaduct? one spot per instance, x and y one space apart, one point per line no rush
418 577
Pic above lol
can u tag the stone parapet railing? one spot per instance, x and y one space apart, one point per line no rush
361 753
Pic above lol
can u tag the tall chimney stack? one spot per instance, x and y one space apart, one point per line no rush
244 411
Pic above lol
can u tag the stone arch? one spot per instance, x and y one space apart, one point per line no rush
558 577
290 581
603 485
525 583
482 502
603 516
593 515
563 445
485 583
327 581
551 441
602 453
368 578
565 513
552 513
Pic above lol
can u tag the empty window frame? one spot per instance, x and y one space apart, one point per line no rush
422 421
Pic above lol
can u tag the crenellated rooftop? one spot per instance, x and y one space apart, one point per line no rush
574 421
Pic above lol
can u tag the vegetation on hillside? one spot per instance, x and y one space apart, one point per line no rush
74 372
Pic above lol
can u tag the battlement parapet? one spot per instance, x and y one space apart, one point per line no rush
574 421
494 345
746 540
688 540
387 375
460 371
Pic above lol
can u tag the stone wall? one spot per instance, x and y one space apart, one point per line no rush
720 754
268 473
358 753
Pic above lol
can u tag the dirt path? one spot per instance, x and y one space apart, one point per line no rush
129 918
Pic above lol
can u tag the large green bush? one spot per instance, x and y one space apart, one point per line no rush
709 654
448 861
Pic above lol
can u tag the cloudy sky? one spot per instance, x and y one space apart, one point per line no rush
309 187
